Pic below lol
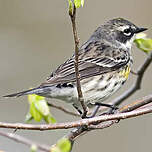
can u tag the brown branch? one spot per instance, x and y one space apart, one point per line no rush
63 109
76 40
87 122
110 120
144 103
82 130
137 85
137 108
25 141
133 106
137 104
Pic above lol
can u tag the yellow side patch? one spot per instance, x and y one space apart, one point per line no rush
125 72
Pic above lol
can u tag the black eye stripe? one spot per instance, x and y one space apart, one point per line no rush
127 31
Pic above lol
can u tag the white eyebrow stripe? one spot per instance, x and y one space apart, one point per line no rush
122 28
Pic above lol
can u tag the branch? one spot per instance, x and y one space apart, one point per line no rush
90 121
137 108
72 15
137 84
144 103
135 105
25 141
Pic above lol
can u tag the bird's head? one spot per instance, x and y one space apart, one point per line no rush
119 32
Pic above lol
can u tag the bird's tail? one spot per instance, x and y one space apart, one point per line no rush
30 91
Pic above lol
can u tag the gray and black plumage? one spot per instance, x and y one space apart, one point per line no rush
104 65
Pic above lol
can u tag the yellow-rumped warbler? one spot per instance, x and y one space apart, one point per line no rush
104 65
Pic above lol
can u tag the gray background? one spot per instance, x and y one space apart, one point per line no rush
35 37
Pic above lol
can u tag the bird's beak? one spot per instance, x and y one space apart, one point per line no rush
138 30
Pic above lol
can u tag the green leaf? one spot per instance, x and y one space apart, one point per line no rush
34 97
50 119
70 6
64 145
77 3
39 109
144 44
42 107
35 113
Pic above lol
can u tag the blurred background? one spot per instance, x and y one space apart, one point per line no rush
36 37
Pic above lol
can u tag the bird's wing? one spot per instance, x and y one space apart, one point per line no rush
95 58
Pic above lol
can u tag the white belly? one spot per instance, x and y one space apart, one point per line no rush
95 89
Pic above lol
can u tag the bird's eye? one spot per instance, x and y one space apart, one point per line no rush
127 32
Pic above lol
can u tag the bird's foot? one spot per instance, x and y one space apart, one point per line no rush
84 116
112 110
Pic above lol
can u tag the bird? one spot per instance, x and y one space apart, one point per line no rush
105 62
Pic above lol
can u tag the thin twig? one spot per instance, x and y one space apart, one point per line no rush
25 141
133 106
86 122
63 109
137 104
116 117
133 72
76 40
137 85
139 107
